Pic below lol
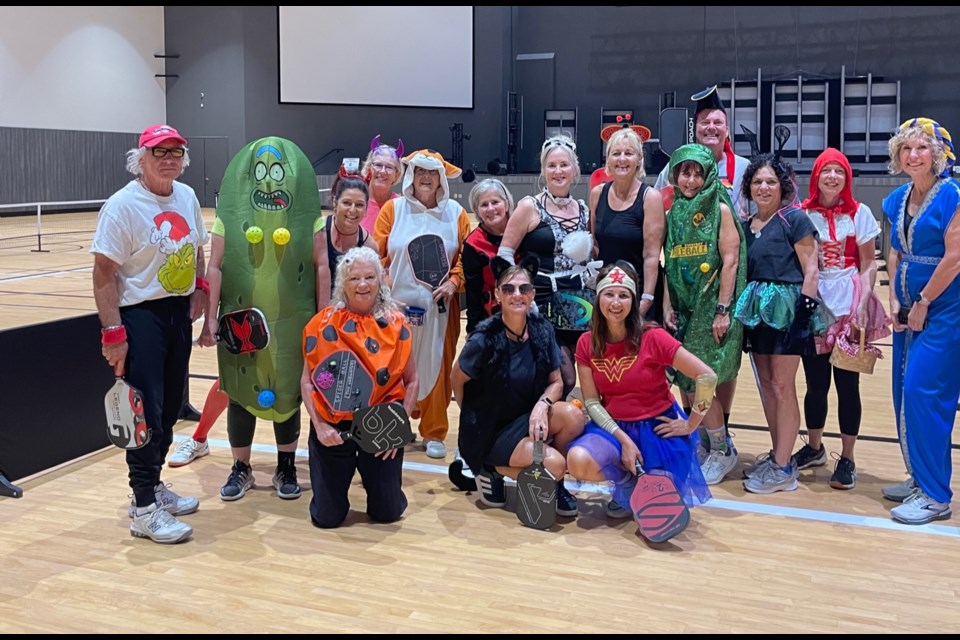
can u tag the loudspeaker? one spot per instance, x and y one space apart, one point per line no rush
496 168
674 129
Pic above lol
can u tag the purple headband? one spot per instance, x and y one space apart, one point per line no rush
375 146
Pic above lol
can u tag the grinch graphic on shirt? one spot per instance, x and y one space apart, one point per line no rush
177 241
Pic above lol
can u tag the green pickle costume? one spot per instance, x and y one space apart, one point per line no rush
266 210
693 263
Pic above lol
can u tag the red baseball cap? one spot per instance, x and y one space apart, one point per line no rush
157 133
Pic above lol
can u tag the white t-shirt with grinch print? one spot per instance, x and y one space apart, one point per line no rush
154 239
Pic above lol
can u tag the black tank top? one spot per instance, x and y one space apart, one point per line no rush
332 254
619 234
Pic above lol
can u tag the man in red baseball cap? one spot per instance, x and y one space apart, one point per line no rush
149 287
157 133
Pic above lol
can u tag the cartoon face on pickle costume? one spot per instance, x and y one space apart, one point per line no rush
177 241
269 174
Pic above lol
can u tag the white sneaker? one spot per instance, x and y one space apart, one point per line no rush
920 508
717 465
435 449
188 451
158 525
900 491
169 501
702 454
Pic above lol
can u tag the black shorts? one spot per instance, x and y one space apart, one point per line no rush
507 440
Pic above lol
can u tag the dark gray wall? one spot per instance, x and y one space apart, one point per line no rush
605 57
232 56
625 57
47 165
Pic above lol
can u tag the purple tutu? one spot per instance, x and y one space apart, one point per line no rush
676 457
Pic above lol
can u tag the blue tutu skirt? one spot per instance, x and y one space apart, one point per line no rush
675 457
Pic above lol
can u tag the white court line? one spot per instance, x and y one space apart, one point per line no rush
50 274
716 503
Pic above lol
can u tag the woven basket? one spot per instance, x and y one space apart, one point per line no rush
852 357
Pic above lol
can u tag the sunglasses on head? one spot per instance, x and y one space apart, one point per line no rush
558 142
509 289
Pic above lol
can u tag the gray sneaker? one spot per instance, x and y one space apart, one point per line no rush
175 505
900 491
159 525
919 508
770 478
762 460
717 465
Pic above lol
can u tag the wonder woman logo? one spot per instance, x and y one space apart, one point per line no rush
613 368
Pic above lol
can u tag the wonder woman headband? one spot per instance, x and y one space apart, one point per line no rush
617 278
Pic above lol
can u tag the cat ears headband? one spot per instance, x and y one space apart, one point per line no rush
397 152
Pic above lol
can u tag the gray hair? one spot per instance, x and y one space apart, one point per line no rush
385 305
135 155
915 133
490 185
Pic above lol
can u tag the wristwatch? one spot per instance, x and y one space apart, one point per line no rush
723 309
922 300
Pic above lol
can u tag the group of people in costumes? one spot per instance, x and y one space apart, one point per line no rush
373 288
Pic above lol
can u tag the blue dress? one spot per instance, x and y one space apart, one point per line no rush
926 378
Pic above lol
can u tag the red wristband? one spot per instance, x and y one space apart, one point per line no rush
203 285
113 335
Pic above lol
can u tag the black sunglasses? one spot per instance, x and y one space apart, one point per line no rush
509 289
161 152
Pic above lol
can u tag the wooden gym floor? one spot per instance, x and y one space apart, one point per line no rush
813 560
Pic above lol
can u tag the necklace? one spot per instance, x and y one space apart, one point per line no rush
560 201
756 234
518 336
341 234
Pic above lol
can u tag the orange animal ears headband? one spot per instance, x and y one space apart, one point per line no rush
623 122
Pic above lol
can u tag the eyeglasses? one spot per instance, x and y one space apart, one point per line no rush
383 168
509 289
160 152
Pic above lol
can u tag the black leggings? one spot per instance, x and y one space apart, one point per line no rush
817 370
241 425
158 354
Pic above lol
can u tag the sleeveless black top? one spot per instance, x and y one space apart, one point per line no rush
333 255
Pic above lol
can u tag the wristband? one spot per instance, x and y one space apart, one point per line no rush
546 400
647 296
203 285
113 335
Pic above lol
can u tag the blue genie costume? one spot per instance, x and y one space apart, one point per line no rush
926 378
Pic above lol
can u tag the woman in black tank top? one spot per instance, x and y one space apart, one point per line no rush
342 227
628 219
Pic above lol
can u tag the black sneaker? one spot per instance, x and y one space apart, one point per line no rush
241 479
457 477
493 491
285 481
566 503
809 457
844 474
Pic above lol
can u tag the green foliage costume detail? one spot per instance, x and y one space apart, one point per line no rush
269 184
693 263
